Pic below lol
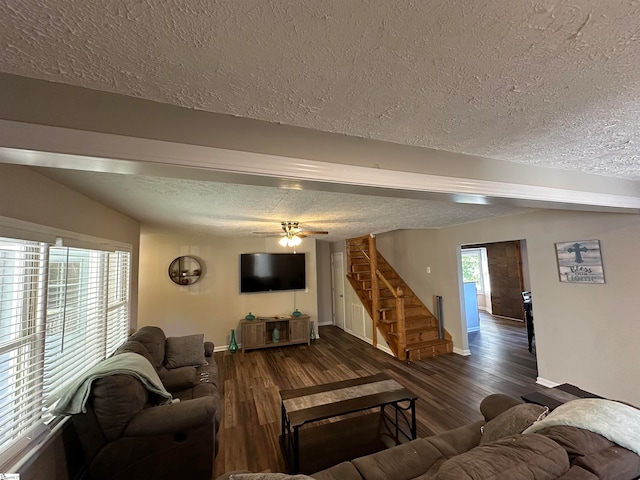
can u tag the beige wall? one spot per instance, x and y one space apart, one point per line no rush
585 334
31 197
213 305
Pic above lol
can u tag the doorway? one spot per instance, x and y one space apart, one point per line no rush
494 275
337 289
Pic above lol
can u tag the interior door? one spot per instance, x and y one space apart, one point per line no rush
337 288
505 271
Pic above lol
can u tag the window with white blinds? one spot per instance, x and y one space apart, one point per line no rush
22 283
62 310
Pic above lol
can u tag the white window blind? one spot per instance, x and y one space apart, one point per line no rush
118 300
62 310
22 283
76 316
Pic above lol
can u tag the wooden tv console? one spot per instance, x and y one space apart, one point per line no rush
258 333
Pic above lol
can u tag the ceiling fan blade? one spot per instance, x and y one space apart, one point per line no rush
313 233
275 234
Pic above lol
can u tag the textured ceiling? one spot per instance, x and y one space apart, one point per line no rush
226 209
548 83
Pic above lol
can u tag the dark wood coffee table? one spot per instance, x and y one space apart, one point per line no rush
556 396
322 445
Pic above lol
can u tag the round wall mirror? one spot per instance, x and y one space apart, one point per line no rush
185 270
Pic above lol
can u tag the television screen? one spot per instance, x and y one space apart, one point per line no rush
270 272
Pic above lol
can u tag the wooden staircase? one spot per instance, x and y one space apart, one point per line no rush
409 328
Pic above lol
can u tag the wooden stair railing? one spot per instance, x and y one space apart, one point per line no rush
409 328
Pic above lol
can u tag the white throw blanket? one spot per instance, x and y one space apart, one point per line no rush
73 399
615 421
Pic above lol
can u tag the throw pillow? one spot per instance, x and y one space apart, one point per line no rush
513 421
185 351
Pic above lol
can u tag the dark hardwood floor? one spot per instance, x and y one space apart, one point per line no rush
449 387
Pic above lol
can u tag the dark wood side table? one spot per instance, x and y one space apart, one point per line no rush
556 396
322 445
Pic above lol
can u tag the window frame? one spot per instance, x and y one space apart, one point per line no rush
482 285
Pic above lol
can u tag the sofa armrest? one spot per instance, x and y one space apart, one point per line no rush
208 349
495 404
172 417
177 379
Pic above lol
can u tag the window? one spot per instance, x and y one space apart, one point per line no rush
22 280
62 310
475 268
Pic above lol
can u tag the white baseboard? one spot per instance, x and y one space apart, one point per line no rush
546 383
473 329
460 351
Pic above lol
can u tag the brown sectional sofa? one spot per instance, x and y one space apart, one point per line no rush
125 434
558 452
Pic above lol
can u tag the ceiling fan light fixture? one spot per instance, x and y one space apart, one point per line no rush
290 241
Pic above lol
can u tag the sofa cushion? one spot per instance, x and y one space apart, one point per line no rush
402 462
515 420
178 379
116 400
185 351
458 440
576 441
153 339
342 471
518 457
594 453
613 463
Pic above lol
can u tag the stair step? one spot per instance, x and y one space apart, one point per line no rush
423 350
421 329
416 330
428 343
430 347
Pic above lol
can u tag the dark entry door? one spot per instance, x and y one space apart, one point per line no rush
505 271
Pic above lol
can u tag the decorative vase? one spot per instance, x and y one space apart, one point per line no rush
275 336
312 335
296 313
251 316
233 345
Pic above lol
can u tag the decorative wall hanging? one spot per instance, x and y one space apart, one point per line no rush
580 261
185 270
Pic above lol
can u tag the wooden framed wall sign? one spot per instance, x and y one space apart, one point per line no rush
580 261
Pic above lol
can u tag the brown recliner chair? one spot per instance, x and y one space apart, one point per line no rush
126 436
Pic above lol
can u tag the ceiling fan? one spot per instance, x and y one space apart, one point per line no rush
291 234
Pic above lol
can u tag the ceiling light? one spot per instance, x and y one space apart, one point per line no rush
290 241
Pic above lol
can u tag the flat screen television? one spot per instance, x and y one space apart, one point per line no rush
272 272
